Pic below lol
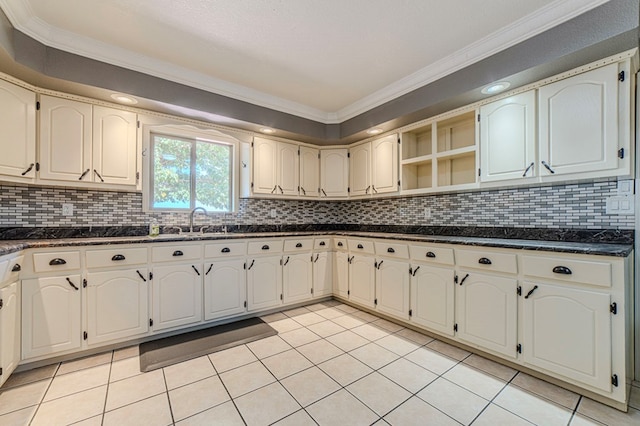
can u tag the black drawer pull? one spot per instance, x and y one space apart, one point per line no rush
298 245
265 247
322 243
390 250
484 261
16 268
178 253
531 291
360 246
225 250
118 257
57 261
340 244
72 284
431 254
562 270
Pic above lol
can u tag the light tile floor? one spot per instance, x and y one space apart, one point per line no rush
330 365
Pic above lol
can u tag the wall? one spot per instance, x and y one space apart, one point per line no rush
563 206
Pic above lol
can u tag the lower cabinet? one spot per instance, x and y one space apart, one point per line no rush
568 331
487 311
297 277
117 304
322 274
176 295
224 288
341 274
362 277
9 330
392 288
432 293
51 315
264 282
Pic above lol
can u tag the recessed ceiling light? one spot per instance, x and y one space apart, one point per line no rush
375 131
267 130
494 88
124 99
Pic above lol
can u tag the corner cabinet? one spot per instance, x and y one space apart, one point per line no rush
374 167
18 141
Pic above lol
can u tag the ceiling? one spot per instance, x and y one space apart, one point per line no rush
323 60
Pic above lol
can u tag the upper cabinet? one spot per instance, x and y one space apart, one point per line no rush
81 143
360 168
17 132
374 167
334 173
309 171
275 167
508 138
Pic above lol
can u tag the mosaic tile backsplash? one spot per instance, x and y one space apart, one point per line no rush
579 206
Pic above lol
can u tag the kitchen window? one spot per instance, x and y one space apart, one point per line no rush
187 169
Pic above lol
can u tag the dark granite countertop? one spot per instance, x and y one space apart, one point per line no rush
602 242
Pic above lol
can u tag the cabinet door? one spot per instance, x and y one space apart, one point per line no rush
507 138
297 277
432 298
392 288
578 122
341 274
486 311
114 146
362 278
265 157
224 289
360 168
384 166
309 171
568 331
288 169
65 140
51 319
334 172
18 124
264 282
117 305
322 274
177 296
9 330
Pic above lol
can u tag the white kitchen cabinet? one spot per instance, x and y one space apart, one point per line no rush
51 320
360 170
309 171
334 173
486 311
384 165
392 287
297 277
322 274
432 297
341 274
276 167
9 329
117 305
508 138
362 279
114 146
176 295
224 288
579 123
264 282
288 169
568 331
18 139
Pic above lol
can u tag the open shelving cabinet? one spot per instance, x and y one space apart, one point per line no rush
440 154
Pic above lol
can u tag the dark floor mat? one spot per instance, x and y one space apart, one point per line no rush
172 350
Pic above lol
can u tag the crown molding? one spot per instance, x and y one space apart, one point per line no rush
23 19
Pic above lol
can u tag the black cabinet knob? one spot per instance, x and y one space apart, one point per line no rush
265 247
431 254
178 253
226 250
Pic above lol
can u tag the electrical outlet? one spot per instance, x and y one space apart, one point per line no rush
67 209
621 204
273 213
427 213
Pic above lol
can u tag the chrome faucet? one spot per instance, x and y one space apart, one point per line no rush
191 216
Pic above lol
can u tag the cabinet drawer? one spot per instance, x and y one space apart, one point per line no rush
340 244
432 254
298 245
265 246
13 268
361 246
323 243
175 253
578 271
400 251
58 261
225 249
116 257
488 261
